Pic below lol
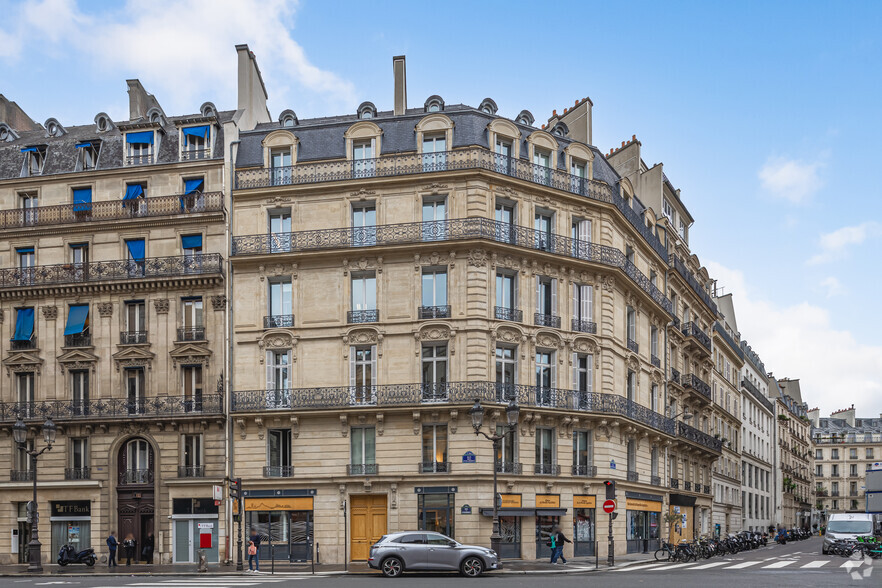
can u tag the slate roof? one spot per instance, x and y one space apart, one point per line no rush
61 153
870 425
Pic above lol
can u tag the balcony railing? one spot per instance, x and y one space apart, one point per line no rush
191 471
585 470
342 397
633 476
693 282
132 337
111 408
119 269
78 340
448 230
278 321
633 346
502 313
135 477
759 396
675 375
696 436
434 467
363 316
707 489
362 469
581 326
675 483
655 480
697 384
509 467
461 159
191 334
278 471
433 312
546 469
139 159
21 475
687 485
721 331
655 361
78 473
112 210
690 329
546 320
23 345
194 154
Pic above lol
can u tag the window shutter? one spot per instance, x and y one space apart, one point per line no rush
587 302
575 302
589 361
575 360
270 372
352 367
584 231
553 368
554 297
538 296
373 368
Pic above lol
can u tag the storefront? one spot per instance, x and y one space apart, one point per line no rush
583 525
284 520
642 519
435 509
510 512
195 524
71 522
682 516
548 513
21 534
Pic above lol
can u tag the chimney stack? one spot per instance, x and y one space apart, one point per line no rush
400 72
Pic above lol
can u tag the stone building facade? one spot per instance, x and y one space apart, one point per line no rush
758 445
795 454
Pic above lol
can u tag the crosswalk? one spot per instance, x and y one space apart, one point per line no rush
785 563
214 581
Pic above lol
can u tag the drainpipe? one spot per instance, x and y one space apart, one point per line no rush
228 336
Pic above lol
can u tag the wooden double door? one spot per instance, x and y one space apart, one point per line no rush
367 523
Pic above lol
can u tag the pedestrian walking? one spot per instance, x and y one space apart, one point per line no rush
556 542
129 545
147 551
254 551
112 544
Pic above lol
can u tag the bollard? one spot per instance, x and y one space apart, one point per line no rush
203 564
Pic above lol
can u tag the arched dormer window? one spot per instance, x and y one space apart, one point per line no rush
6 133
208 109
280 155
488 106
560 129
363 147
288 118
54 128
367 110
434 104
505 140
155 116
543 150
525 118
103 122
434 139
579 163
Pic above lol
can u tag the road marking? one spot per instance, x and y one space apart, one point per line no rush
674 567
817 564
710 565
638 568
740 566
778 564
852 564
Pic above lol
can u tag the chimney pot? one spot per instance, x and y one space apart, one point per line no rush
554 113
623 143
399 71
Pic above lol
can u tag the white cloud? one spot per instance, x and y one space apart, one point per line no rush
791 179
835 244
800 341
833 286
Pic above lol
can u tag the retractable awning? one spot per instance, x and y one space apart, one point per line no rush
510 512
77 319
140 138
24 324
191 241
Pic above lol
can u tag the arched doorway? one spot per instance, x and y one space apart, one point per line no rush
135 492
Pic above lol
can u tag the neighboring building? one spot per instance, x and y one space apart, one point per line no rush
758 445
845 447
795 454
113 312
727 472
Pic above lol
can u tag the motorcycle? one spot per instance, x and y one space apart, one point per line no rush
68 554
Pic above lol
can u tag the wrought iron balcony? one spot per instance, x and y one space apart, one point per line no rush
278 471
509 467
546 320
691 329
676 320
78 340
503 313
477 158
585 470
119 269
633 346
633 476
363 316
675 375
194 154
693 282
687 485
278 321
78 473
435 392
675 483
655 480
136 477
23 345
139 159
434 467
546 469
21 475
699 385
433 312
655 361
112 210
581 326
466 229
191 471
191 334
111 408
707 489
694 435
132 337
362 469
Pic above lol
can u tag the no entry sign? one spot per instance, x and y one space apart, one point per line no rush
609 506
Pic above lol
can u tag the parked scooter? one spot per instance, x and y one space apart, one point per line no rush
67 554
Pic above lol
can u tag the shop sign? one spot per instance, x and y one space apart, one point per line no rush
584 502
509 501
206 525
465 509
303 503
548 501
468 457
72 508
645 505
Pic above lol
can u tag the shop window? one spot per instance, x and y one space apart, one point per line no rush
435 513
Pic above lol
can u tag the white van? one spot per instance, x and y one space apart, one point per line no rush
848 527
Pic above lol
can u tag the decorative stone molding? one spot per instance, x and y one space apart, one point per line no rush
477 258
260 428
278 339
295 427
24 361
219 302
276 270
548 340
344 425
416 422
363 264
362 336
633 364
507 192
608 283
50 313
435 332
393 496
277 200
434 259
77 359
161 305
132 356
105 309
127 428
454 420
190 354
362 194
381 419
434 187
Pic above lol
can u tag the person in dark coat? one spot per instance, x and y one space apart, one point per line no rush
557 541
112 544
129 545
147 551
254 541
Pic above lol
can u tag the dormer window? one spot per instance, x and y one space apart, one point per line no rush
34 158
367 111
288 118
195 142
87 155
434 104
139 148
488 106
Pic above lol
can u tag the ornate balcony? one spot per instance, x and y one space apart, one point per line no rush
191 471
633 476
434 467
633 346
509 467
675 376
655 480
546 469
477 158
656 362
362 469
114 270
278 321
78 340
23 345
363 316
132 337
278 471
546 320
21 475
687 485
589 471
695 383
155 206
502 313
194 154
695 436
111 408
675 483
191 334
78 473
433 312
707 489
581 326
135 477
693 282
691 329
450 230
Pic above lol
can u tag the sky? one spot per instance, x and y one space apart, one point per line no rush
765 115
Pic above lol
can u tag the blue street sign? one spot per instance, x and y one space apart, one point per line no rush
468 457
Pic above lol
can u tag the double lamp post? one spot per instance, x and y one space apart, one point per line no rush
20 435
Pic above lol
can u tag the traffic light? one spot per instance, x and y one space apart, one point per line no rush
610 489
236 488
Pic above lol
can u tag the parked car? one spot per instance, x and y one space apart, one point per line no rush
846 527
415 551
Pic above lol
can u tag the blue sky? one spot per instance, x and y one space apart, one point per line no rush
764 114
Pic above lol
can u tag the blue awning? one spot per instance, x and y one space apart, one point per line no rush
82 198
133 191
24 324
136 249
141 137
201 132
28 149
83 144
194 185
77 317
191 241
25 250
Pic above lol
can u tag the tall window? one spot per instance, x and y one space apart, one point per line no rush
138 464
191 388
364 292
583 453
506 290
505 222
653 463
280 230
434 373
434 215
79 386
364 225
139 148
22 461
631 385
28 202
193 329
278 453
546 300
542 166
545 381
363 154
632 456
192 465
363 374
26 257
25 387
195 142
506 374
79 459
578 173
434 448
503 155
507 454
280 305
542 224
134 382
631 324
668 210
544 450
434 294
136 327
653 401
583 308
434 152
278 378
191 245
280 160
581 235
582 379
653 343
363 449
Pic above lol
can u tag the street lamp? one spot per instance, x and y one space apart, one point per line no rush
512 413
20 435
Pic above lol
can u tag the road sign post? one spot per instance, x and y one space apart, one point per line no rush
609 507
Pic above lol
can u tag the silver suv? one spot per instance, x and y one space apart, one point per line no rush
415 551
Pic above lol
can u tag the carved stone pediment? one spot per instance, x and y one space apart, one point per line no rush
23 361
277 339
133 356
77 359
190 354
435 332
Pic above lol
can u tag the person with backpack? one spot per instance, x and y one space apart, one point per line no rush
556 541
254 551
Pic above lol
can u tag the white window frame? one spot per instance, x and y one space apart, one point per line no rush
361 390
